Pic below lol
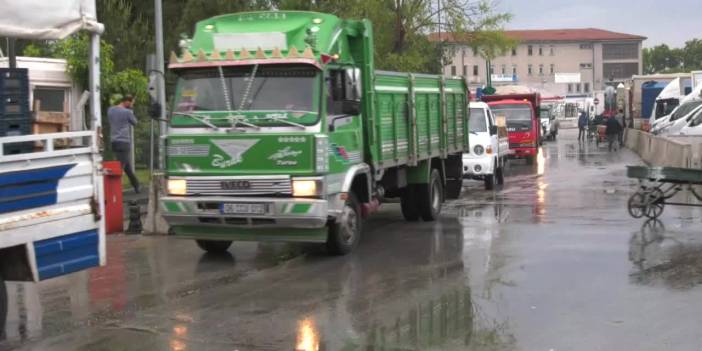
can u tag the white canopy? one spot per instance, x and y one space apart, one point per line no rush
671 91
47 19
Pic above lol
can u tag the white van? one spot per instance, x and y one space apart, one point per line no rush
679 118
694 127
489 147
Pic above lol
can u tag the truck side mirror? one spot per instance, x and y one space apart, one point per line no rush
351 107
493 130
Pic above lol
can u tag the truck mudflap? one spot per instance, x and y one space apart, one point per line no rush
261 219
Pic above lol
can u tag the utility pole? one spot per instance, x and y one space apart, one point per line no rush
158 9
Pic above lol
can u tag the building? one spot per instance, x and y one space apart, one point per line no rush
572 62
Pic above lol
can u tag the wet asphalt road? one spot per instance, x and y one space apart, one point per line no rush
550 262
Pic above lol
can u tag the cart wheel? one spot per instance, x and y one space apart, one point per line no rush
654 203
636 205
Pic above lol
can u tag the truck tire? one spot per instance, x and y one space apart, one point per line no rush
408 203
3 307
345 233
214 246
430 197
454 188
490 181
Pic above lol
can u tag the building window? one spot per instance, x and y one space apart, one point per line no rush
52 99
541 70
550 51
552 69
529 69
570 88
613 71
586 87
586 46
530 50
514 51
628 51
514 70
541 51
453 70
577 87
492 69
465 70
504 70
475 70
586 66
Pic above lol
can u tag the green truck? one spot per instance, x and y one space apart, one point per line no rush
282 130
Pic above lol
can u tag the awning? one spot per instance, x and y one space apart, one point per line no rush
47 19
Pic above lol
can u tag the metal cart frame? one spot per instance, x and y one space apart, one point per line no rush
658 185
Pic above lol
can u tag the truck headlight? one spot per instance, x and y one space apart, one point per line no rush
177 187
306 187
478 149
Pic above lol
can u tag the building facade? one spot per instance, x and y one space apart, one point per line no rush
566 62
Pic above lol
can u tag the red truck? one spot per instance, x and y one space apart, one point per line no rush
520 113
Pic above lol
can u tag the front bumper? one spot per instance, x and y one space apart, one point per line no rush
477 167
523 152
286 219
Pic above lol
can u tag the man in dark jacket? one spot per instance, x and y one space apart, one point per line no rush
613 131
122 119
582 125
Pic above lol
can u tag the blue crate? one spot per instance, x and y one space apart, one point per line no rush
14 105
18 148
15 127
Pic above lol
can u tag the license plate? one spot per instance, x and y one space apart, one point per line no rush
240 208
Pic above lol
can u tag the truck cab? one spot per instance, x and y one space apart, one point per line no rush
520 113
549 124
489 147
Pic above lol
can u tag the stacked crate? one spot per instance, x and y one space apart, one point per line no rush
15 117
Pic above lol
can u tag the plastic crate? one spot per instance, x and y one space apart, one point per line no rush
18 148
13 104
15 127
14 81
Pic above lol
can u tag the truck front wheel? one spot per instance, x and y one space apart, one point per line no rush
214 246
408 203
430 197
345 232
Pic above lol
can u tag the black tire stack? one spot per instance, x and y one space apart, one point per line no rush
15 117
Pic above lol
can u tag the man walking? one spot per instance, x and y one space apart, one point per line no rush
121 118
582 125
620 118
613 130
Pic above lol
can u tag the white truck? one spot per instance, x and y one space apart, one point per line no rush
489 147
51 191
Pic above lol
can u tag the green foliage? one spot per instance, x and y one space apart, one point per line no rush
663 59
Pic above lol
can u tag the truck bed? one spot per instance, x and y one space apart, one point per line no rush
416 117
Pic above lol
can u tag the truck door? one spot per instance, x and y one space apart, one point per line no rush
343 118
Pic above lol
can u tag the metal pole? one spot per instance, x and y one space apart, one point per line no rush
161 82
11 54
96 121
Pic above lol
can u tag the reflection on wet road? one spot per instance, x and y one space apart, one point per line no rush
551 261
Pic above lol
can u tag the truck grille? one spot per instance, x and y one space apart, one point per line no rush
241 186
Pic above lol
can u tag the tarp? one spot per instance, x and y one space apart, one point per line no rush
671 91
47 19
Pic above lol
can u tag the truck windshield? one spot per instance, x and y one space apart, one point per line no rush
274 88
477 120
517 116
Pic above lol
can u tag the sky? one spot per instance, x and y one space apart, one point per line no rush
669 22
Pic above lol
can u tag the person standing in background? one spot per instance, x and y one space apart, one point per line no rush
121 118
582 125
622 122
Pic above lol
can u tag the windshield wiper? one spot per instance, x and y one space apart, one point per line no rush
202 119
235 120
280 118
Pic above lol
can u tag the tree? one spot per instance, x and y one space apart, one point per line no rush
663 59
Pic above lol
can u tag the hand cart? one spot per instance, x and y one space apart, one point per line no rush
658 186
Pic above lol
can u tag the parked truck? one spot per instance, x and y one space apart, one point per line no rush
282 130
521 111
51 188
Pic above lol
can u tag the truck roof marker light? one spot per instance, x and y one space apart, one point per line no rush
187 56
173 58
326 58
308 54
230 55
215 55
260 54
293 53
201 56
244 54
276 53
